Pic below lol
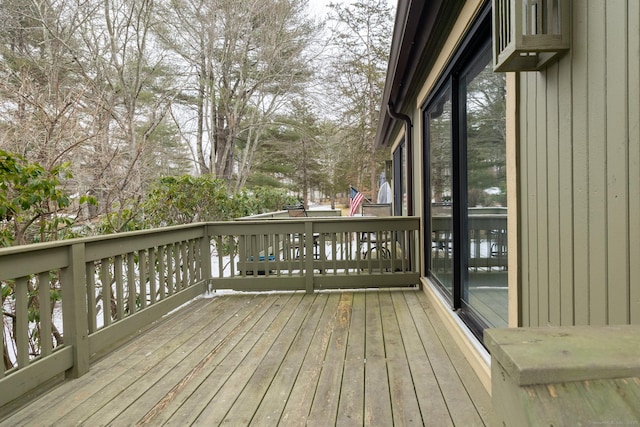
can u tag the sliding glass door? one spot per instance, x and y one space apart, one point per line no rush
484 219
440 153
464 159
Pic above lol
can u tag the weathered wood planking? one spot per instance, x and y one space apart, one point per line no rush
333 358
110 368
351 407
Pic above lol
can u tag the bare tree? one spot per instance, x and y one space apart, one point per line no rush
249 58
133 85
123 88
44 107
85 82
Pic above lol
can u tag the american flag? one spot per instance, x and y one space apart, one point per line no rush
355 199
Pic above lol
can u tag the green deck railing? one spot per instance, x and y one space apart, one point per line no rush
66 303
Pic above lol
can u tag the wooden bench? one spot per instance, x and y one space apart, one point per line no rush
575 375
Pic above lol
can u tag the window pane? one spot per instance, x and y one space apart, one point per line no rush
441 187
485 276
405 176
400 173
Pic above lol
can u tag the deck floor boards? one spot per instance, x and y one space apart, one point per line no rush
347 358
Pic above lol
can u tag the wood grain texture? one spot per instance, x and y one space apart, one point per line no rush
375 357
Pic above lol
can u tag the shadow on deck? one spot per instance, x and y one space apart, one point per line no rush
376 357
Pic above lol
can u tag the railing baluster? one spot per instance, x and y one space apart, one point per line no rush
334 252
322 255
361 256
406 249
204 252
142 268
278 246
177 266
44 298
187 258
309 248
153 271
265 250
90 275
193 259
345 249
354 251
287 252
380 249
170 267
399 245
220 257
131 283
162 271
236 249
105 277
254 254
175 262
117 273
243 254
185 265
392 250
21 321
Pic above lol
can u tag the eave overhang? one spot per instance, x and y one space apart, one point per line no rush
419 30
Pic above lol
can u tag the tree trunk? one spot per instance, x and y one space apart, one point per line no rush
202 163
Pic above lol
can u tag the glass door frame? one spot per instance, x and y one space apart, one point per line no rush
469 52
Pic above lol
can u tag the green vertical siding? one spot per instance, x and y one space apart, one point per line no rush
579 163
597 161
634 159
579 175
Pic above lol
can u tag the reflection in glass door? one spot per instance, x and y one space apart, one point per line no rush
482 131
465 183
439 121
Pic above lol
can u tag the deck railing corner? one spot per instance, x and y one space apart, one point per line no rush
76 327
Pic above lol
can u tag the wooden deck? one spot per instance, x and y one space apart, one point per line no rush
351 358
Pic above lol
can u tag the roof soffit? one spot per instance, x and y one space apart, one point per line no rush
421 27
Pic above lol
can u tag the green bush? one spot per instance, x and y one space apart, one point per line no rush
34 207
187 199
270 199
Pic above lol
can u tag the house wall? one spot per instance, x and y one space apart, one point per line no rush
579 175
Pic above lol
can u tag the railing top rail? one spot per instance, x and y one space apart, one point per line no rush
101 238
284 214
322 219
181 228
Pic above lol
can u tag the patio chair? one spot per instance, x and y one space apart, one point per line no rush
295 211
372 244
299 211
376 209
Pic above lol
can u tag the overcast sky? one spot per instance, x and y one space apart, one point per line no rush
319 7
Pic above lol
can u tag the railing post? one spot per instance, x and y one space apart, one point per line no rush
205 258
309 255
74 313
